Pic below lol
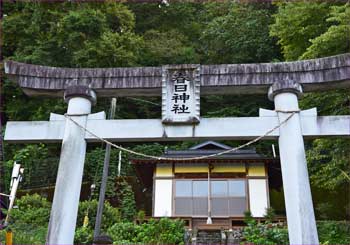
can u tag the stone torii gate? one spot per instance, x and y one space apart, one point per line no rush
282 81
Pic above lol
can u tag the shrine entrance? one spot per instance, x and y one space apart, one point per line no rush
180 87
211 193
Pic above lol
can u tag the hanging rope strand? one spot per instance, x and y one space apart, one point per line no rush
190 158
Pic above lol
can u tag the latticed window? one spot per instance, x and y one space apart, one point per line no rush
228 197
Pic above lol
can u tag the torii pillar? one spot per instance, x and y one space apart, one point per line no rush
70 171
297 193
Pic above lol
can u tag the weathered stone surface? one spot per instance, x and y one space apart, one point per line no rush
80 91
297 193
209 237
133 130
315 75
232 236
283 87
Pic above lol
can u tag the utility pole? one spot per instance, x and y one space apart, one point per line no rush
101 198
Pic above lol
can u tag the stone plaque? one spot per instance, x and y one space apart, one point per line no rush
181 94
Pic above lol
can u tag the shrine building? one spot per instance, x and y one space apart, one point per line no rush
239 181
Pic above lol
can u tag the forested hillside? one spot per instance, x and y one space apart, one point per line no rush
121 35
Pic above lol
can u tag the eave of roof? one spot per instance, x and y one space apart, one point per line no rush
207 160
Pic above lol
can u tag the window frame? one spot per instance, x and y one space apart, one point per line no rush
227 197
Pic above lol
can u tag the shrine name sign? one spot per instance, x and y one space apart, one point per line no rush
181 94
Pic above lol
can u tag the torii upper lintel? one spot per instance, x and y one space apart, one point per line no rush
315 75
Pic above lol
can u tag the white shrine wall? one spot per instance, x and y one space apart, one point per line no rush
162 198
258 197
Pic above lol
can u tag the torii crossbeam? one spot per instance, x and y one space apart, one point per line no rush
138 130
80 86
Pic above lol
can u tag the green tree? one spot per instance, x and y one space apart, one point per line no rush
73 35
296 23
183 17
126 200
240 36
336 39
169 47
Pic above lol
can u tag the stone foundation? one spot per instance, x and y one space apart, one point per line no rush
232 236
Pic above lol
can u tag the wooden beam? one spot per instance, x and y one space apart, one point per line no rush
315 75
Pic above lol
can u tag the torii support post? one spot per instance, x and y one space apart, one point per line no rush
297 193
70 172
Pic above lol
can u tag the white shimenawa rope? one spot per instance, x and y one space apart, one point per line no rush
190 158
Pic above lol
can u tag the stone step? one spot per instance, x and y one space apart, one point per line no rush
216 237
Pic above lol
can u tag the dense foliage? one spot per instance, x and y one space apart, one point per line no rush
241 35
333 232
110 215
264 232
29 221
127 200
163 231
72 35
330 232
296 24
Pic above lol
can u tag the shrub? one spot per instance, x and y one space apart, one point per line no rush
29 235
83 235
334 232
141 215
26 234
264 233
127 201
29 221
110 214
32 209
123 233
163 231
